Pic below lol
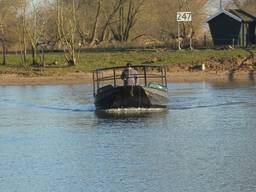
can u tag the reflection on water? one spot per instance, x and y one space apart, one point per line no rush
51 139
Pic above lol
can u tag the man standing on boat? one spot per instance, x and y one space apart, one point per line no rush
129 75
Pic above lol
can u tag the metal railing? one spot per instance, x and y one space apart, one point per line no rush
112 76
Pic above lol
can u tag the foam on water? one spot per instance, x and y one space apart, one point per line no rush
133 110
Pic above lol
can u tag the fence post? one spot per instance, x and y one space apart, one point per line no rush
205 41
179 43
97 79
191 43
93 77
114 73
165 76
145 76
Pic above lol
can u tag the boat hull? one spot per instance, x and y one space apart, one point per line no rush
130 97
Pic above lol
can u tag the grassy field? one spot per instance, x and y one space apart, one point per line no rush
91 60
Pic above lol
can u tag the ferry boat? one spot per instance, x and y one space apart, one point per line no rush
111 92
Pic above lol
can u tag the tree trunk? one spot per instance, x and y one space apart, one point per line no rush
3 44
4 62
109 18
42 58
95 27
67 37
34 61
127 20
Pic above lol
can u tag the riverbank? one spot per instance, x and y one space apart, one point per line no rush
196 65
70 78
86 78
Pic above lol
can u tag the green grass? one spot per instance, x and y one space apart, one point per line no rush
91 60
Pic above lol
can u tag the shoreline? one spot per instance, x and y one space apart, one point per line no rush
86 78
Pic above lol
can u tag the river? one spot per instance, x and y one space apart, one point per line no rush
52 140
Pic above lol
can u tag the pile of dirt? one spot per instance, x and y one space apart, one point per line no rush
218 65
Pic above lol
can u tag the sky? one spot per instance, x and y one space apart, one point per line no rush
214 5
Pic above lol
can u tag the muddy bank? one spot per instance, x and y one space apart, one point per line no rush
218 65
72 78
81 78
213 69
224 76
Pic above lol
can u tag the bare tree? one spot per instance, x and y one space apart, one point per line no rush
66 24
88 28
117 4
95 18
248 5
188 28
7 26
48 18
3 39
67 28
127 20
35 29
96 24
22 23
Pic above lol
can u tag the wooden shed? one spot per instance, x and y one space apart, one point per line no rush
234 26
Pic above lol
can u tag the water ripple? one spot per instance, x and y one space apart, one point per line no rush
82 108
171 107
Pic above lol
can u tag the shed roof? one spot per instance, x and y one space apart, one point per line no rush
245 16
223 11
237 14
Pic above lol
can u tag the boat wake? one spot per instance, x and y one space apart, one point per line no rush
122 111
80 108
84 108
131 113
173 107
133 110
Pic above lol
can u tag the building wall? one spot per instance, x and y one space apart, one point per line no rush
225 30
252 33
243 38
